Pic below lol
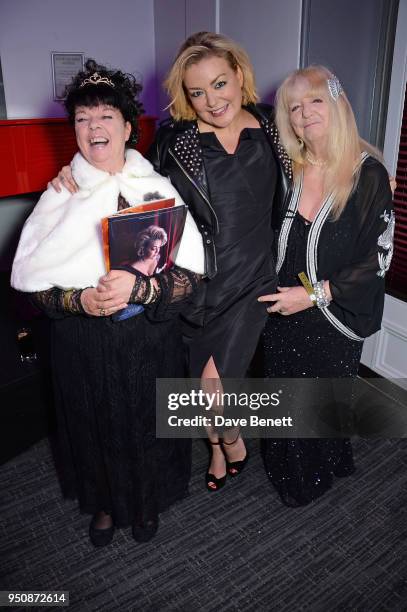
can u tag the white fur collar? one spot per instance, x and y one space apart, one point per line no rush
61 243
89 177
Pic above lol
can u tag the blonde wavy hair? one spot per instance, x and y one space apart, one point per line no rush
344 143
199 46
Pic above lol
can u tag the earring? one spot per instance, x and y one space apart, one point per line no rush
300 142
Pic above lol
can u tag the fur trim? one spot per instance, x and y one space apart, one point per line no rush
190 255
61 242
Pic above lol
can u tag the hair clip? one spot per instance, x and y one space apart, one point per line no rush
335 88
96 79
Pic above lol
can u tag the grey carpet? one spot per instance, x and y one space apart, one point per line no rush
236 550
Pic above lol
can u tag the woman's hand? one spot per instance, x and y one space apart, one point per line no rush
288 300
66 179
96 303
116 286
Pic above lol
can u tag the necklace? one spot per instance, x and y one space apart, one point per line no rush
320 163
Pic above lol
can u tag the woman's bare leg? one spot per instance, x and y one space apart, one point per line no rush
235 450
210 381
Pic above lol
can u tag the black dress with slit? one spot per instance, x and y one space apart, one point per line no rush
305 345
241 188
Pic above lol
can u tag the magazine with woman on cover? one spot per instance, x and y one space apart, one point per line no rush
144 238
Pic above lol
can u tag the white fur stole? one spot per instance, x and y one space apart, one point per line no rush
61 242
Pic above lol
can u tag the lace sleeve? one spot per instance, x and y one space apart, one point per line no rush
177 284
171 294
57 303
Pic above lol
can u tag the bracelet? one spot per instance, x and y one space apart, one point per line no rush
321 297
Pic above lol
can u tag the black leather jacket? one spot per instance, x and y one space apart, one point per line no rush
176 153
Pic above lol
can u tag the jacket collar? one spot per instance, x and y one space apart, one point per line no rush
265 116
187 148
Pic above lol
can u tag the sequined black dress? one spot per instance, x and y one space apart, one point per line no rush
305 345
241 187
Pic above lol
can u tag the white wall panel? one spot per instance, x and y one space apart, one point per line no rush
386 351
118 33
270 31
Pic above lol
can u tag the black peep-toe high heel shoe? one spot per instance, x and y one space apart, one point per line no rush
234 468
211 479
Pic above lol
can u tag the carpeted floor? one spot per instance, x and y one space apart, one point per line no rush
236 550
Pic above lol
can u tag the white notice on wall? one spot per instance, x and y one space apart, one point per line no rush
64 67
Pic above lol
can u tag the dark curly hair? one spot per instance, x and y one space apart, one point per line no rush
123 96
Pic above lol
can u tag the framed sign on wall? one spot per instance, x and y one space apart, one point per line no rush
64 67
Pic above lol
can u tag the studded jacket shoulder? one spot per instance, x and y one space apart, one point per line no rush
177 154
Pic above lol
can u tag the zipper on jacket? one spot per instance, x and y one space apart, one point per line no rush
196 187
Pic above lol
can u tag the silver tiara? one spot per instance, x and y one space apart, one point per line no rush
96 79
334 86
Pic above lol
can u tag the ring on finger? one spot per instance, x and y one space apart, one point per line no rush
102 312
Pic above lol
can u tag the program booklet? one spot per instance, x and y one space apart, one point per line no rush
144 238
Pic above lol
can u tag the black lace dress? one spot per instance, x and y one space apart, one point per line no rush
305 345
104 375
241 188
